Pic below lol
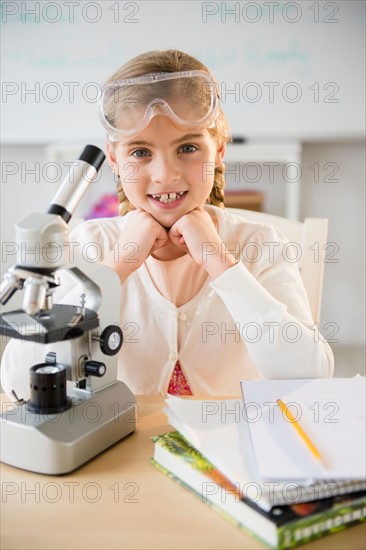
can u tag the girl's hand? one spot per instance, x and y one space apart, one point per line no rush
196 233
139 239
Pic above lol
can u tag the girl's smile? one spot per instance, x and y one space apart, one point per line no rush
169 199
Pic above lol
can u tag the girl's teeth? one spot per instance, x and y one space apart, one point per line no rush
168 197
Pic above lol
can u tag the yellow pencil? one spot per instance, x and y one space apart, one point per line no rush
310 445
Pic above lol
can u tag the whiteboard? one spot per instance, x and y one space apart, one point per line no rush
285 69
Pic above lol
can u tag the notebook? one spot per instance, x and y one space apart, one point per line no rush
331 412
218 429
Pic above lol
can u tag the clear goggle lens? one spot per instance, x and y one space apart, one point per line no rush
189 99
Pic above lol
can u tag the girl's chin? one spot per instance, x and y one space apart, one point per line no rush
167 218
167 221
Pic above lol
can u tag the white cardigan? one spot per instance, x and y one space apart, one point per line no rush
252 322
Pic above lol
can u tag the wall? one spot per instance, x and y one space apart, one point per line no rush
343 203
285 69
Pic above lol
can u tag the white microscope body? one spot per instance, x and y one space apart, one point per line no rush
77 408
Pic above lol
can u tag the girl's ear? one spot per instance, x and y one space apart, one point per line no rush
220 154
111 156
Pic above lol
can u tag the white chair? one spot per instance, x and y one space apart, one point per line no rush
311 236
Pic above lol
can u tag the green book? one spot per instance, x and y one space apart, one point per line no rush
284 526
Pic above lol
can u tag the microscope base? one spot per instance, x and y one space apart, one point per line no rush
60 443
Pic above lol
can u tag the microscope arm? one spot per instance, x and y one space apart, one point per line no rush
93 292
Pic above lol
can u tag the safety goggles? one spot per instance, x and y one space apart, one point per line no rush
188 98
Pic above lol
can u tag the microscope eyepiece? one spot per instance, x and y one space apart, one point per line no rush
93 156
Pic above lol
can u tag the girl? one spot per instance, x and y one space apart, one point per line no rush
209 310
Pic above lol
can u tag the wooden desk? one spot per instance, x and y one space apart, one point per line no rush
118 500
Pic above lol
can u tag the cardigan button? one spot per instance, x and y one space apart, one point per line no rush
182 317
172 356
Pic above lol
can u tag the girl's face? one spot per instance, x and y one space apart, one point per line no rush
166 170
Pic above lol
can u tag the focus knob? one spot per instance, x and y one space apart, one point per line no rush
111 340
95 368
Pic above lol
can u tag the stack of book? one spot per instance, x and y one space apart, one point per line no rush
245 458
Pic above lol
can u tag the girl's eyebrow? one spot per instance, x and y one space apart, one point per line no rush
133 143
186 137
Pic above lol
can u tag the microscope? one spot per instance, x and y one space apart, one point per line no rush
77 408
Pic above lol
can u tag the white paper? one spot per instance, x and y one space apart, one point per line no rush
330 411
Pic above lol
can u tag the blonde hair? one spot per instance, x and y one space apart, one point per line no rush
170 61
